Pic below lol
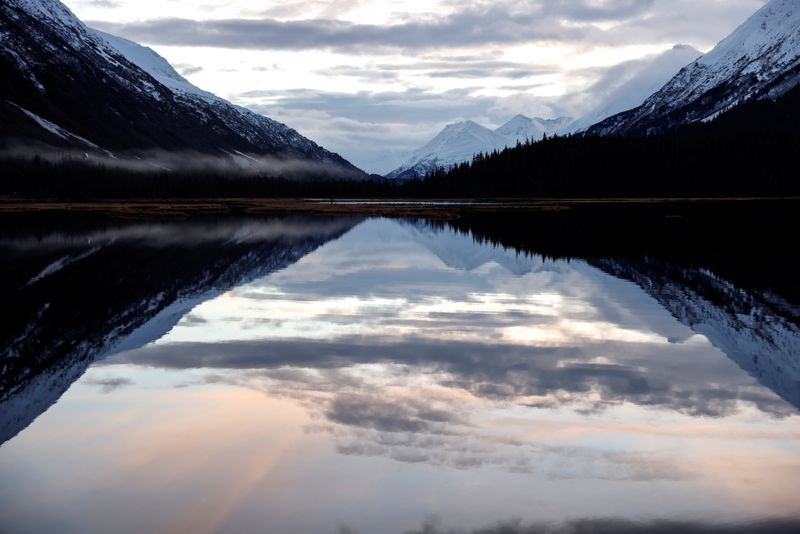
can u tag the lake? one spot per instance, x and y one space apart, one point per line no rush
485 373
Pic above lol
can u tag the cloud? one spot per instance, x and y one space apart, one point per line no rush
478 24
491 25
395 415
186 69
497 371
103 3
189 161
108 384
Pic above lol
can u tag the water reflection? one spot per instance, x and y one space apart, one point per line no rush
93 288
386 371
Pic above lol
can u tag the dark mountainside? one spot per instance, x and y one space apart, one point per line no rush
62 86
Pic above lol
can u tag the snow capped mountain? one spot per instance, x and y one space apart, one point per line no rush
521 128
637 84
761 59
460 141
65 85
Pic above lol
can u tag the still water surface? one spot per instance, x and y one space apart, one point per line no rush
380 376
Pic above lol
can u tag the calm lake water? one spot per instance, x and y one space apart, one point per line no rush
310 374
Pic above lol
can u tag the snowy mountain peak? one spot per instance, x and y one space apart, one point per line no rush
521 128
464 126
459 142
760 59
456 143
516 122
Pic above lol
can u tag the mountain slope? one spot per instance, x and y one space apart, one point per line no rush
647 78
65 85
456 143
761 59
460 141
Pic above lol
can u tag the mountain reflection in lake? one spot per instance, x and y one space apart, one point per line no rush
343 375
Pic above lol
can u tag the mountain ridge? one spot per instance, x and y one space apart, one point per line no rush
458 142
66 86
760 59
639 86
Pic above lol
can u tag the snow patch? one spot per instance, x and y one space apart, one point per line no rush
53 128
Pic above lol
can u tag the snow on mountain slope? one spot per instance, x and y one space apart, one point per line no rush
121 96
459 142
637 85
456 143
760 59
247 123
156 66
522 128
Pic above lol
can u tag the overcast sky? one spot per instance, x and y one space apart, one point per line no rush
373 79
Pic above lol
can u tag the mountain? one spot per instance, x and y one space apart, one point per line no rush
521 128
65 85
456 143
460 141
759 60
627 86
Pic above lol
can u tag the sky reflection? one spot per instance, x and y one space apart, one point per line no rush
398 374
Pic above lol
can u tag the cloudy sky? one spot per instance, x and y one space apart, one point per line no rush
373 79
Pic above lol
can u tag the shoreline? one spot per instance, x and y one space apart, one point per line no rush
436 208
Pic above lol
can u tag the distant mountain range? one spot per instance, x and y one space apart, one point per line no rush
67 86
760 60
460 141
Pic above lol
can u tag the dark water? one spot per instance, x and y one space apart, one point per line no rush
312 374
